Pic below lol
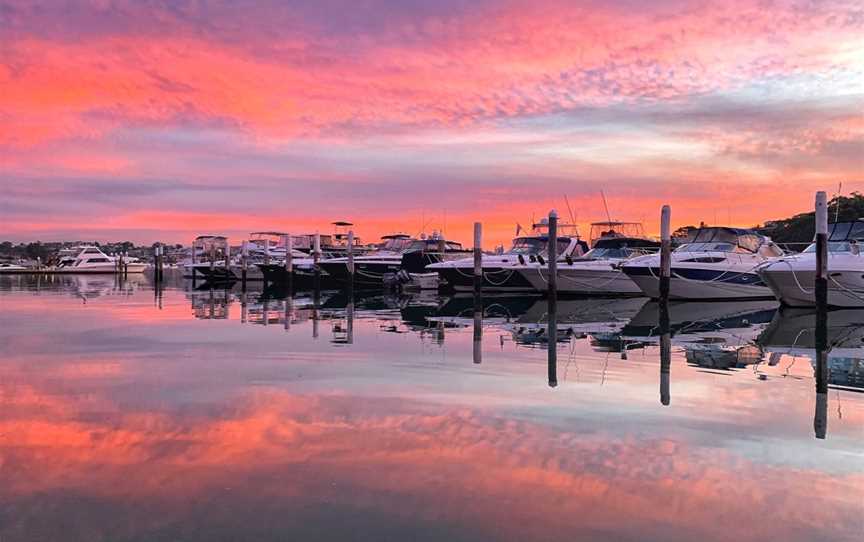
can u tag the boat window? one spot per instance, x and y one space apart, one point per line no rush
833 246
399 244
527 245
840 231
707 247
97 260
857 231
537 245
605 253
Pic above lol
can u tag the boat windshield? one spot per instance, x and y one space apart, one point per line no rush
536 245
710 247
610 253
397 244
746 240
833 246
432 244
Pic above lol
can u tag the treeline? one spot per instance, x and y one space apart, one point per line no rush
801 227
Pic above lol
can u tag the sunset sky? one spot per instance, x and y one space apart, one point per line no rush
148 120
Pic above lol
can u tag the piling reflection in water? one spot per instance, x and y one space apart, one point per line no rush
170 427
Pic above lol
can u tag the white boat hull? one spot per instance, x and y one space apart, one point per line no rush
796 289
681 288
572 280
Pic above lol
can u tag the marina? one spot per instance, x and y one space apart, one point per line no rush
411 271
670 349
292 405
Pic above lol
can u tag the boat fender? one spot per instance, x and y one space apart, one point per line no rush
532 259
522 259
541 260
568 259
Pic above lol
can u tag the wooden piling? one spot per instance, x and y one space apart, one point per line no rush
665 250
228 272
316 260
351 258
552 300
289 263
478 258
266 251
212 258
820 421
553 258
244 264
821 286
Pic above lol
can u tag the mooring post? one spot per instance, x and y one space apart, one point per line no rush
820 421
243 307
442 246
212 258
161 262
821 286
351 259
553 259
552 310
244 262
227 254
316 259
266 251
665 250
478 258
289 263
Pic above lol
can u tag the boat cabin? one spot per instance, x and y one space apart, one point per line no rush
725 239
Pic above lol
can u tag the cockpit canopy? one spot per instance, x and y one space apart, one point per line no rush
621 247
396 243
537 245
721 239
841 236
432 245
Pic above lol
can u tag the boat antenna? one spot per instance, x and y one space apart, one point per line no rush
606 206
837 210
570 210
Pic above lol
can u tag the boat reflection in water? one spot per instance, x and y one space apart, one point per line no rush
793 333
715 335
326 416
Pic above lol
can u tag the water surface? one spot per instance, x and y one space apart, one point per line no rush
196 414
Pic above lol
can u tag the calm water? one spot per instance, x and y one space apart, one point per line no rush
214 415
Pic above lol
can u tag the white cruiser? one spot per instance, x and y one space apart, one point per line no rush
792 278
714 263
598 272
501 271
92 260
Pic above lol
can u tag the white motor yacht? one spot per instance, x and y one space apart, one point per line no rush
371 268
92 260
792 278
12 268
501 271
714 263
598 272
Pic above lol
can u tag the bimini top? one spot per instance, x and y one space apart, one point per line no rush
396 236
846 231
747 239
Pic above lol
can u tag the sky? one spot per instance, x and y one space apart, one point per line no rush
155 120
